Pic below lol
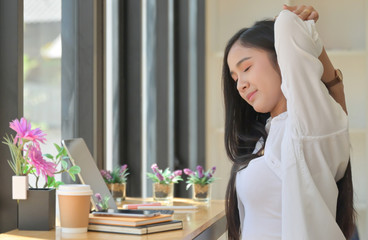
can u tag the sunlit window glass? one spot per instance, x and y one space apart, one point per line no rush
42 68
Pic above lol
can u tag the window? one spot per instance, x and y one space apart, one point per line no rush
42 68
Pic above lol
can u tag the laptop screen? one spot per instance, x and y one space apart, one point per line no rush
90 174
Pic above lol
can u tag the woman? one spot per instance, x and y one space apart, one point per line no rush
286 131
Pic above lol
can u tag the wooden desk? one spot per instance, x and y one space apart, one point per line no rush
208 222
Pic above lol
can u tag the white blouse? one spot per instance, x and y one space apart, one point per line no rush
290 193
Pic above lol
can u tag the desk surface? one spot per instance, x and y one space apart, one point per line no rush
208 222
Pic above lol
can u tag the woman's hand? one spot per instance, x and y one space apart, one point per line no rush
304 12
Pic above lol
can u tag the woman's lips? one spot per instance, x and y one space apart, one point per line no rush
250 95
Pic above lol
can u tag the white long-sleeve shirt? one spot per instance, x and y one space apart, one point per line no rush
290 193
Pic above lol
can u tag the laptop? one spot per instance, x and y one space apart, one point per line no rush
90 174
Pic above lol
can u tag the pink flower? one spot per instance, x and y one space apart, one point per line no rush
99 208
123 168
159 176
24 132
210 173
178 173
98 197
187 171
108 175
103 172
154 168
200 171
42 166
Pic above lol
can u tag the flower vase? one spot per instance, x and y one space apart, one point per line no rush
19 187
163 192
37 212
118 191
201 193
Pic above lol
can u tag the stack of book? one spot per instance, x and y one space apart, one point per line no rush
133 225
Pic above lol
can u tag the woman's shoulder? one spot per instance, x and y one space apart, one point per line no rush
251 163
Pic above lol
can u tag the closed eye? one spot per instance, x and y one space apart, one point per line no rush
247 69
243 71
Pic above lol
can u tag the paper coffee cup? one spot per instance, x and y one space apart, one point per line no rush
74 205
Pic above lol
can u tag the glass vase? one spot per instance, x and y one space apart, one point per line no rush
201 193
118 191
163 192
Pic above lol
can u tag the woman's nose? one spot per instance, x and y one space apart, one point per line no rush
242 85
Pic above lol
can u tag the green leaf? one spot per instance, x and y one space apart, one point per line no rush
58 148
74 169
58 183
12 166
176 179
72 176
61 152
49 156
166 172
64 164
65 153
203 180
50 181
151 175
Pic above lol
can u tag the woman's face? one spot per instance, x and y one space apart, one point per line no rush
258 82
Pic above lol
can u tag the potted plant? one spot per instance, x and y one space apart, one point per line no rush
29 139
36 206
116 181
200 181
163 182
102 203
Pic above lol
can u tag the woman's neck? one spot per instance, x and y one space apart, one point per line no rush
279 108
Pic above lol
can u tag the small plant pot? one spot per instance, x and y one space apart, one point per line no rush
201 193
163 192
37 212
19 187
118 191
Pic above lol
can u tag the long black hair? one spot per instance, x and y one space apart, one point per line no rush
244 127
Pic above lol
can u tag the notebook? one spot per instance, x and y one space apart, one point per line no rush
129 221
139 230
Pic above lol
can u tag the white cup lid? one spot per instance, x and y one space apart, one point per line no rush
74 189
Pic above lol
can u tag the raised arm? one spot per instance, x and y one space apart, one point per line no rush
311 109
336 91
